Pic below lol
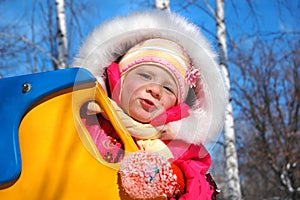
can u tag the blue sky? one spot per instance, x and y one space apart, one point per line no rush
268 11
266 16
269 16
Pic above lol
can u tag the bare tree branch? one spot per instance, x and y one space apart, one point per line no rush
25 40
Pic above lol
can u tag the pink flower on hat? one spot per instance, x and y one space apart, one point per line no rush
191 77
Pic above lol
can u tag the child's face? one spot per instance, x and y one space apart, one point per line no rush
148 91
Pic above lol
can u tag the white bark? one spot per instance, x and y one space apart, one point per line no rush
162 4
62 34
233 186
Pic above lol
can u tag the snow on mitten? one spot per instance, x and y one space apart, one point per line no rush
148 175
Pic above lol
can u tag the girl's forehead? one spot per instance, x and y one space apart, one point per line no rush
155 69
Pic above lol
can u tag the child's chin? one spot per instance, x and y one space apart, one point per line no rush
143 120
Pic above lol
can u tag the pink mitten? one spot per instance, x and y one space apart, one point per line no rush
148 175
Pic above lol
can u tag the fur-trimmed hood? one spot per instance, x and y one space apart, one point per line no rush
112 39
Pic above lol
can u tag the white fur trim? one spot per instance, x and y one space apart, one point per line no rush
115 37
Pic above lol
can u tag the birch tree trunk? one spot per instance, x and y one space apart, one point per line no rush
62 34
233 189
162 4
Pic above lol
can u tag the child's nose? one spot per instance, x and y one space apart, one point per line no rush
154 90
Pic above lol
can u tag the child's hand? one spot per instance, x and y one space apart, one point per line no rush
148 175
93 108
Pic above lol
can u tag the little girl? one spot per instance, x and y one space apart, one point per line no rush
161 73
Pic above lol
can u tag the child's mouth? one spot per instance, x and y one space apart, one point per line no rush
147 104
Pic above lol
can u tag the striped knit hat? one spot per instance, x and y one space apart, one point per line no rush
166 54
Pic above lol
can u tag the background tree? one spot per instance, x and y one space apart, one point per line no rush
41 44
62 34
265 73
231 162
162 4
268 98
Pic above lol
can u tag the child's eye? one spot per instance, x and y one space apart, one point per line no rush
169 89
146 76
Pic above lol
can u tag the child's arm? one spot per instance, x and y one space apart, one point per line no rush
194 164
